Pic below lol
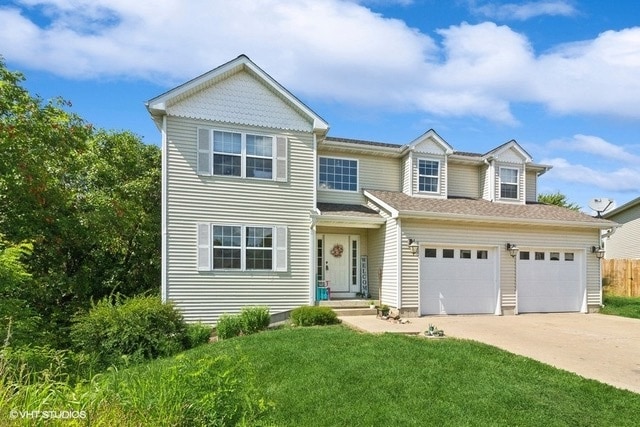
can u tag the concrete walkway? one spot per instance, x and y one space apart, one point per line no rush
596 346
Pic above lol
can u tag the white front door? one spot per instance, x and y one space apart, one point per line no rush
336 262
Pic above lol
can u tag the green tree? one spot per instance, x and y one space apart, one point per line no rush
557 199
88 200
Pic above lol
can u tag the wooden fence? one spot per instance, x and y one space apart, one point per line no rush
621 277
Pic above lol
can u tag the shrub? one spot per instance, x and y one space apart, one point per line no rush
197 334
229 326
254 319
249 321
132 329
314 315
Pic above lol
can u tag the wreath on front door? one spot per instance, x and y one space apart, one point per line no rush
337 250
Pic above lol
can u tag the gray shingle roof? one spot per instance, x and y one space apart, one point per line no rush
485 210
346 210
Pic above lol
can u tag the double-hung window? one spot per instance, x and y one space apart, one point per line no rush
239 154
509 183
428 176
338 174
243 248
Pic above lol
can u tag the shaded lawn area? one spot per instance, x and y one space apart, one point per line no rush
621 306
333 376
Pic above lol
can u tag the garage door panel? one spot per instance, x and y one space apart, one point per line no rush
458 285
552 284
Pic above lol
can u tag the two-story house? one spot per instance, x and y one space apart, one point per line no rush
260 205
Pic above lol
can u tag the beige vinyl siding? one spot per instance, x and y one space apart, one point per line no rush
532 186
464 180
495 236
484 182
192 199
391 263
374 173
625 242
407 181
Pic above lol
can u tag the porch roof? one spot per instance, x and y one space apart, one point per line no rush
346 215
467 209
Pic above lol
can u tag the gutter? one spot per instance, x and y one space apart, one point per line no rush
502 220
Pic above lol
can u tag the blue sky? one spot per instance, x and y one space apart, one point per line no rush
561 77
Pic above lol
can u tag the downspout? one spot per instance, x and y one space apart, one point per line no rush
163 221
399 265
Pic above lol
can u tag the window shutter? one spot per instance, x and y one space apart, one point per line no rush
204 151
281 158
204 247
280 246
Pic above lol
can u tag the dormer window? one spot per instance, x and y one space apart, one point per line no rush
509 183
428 176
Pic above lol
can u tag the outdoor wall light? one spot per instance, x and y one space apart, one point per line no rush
513 249
413 245
598 251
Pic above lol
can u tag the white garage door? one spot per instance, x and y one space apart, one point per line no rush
550 281
456 280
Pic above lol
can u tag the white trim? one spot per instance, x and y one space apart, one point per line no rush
163 209
517 183
357 190
399 264
394 213
438 176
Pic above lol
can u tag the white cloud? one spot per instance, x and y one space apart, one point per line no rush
524 11
332 50
620 180
596 145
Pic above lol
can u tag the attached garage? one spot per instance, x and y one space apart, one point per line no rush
551 280
458 280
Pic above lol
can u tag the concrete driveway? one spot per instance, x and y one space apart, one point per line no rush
600 347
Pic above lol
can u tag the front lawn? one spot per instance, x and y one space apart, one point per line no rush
621 306
333 376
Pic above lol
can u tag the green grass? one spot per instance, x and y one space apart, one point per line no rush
332 376
621 306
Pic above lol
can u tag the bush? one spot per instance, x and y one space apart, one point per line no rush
249 321
133 329
314 315
254 319
229 326
197 334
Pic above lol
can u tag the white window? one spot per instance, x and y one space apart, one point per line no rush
338 174
243 248
509 183
245 155
428 176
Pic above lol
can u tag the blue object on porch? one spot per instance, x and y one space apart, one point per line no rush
322 294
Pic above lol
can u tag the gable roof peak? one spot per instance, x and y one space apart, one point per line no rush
511 144
157 106
432 135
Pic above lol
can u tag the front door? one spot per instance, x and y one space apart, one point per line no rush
336 262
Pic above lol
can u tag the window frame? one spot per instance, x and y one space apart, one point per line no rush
207 152
207 247
436 177
347 159
516 183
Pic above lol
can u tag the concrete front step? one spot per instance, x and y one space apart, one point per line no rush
345 303
355 311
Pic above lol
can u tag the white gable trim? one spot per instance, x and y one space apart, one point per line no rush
158 105
433 136
511 145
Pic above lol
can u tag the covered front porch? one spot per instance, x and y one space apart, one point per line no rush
342 263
